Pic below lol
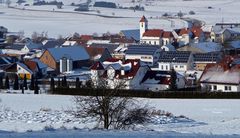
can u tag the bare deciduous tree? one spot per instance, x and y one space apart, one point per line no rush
110 111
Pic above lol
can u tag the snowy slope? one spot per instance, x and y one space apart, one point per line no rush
33 112
65 24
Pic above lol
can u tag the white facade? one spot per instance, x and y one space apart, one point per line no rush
22 70
184 39
66 65
220 87
153 86
151 40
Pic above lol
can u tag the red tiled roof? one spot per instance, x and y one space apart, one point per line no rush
143 19
31 65
167 34
135 65
153 33
94 51
183 31
86 37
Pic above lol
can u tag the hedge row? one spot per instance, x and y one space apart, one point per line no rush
148 94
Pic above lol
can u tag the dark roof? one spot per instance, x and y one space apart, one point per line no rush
174 56
206 57
132 34
142 49
110 47
161 77
15 46
51 44
74 52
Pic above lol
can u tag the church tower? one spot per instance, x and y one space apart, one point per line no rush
143 25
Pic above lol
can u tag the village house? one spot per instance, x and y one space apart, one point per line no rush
160 80
223 76
114 72
201 60
64 59
221 34
180 61
148 54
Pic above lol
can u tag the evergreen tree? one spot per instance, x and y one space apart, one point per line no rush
16 83
7 83
25 82
173 84
77 83
64 82
31 87
36 88
58 84
1 83
52 84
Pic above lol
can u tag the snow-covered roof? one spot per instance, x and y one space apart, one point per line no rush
70 43
74 52
208 46
32 45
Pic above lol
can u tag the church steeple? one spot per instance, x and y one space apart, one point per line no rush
143 26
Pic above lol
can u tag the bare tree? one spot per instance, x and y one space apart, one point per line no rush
110 111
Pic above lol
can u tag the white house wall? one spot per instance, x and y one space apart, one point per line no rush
220 87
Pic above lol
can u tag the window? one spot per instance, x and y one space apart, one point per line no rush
227 88
155 42
161 66
181 66
176 66
166 67
214 87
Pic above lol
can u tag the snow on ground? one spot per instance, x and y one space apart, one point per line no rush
55 23
27 112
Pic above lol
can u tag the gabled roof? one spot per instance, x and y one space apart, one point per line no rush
31 65
143 19
174 56
167 34
183 31
130 67
25 67
111 47
157 77
153 33
207 46
50 44
132 34
221 73
39 63
75 53
96 51
142 50
31 46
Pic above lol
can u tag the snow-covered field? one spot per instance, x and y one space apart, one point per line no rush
205 117
65 24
